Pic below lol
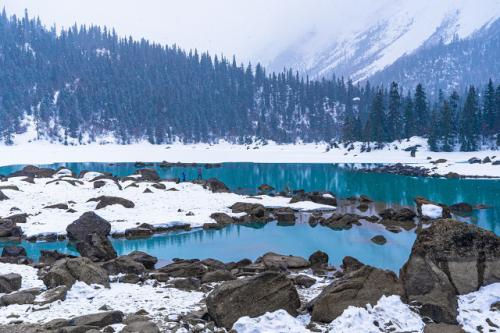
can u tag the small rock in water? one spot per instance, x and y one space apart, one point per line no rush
379 239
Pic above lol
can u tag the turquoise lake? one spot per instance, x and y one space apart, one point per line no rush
240 241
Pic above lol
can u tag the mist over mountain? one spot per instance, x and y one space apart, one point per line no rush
395 30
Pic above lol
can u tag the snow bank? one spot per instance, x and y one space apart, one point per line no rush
84 299
389 312
41 152
28 273
475 308
432 211
162 207
271 322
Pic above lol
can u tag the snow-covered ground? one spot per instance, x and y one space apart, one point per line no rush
160 302
158 208
83 299
41 152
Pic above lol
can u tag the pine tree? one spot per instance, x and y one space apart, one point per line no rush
421 110
489 111
377 121
445 126
394 116
408 119
470 122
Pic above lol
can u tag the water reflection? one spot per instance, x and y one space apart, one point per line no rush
251 241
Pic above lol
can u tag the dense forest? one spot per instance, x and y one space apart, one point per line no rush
85 83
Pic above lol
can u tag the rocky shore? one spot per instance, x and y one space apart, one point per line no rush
450 283
449 260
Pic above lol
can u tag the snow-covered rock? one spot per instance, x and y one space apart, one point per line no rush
432 211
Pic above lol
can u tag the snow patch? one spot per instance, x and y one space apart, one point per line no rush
432 211
278 321
475 308
388 312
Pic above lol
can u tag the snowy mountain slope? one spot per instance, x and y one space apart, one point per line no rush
449 67
381 34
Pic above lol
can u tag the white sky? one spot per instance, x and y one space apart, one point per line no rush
250 29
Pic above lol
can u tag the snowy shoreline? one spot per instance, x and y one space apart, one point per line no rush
40 153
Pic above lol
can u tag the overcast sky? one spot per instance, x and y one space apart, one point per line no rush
250 29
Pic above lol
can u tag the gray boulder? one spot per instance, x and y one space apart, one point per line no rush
10 282
101 319
141 327
21 297
86 224
8 228
52 295
252 296
96 247
277 261
147 260
365 285
123 265
104 201
14 251
67 271
185 268
449 258
217 276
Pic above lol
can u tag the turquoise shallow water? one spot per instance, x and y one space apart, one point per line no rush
238 242
251 241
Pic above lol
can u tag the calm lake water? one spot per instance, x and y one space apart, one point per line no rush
238 242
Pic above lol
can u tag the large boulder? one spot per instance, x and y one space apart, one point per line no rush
104 201
14 251
318 259
147 260
449 258
96 247
49 257
185 268
21 297
149 175
10 282
8 228
66 272
101 319
273 260
359 287
123 265
52 295
252 296
86 224
426 207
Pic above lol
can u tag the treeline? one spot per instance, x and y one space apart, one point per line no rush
467 123
85 83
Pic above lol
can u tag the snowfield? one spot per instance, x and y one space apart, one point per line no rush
41 152
179 203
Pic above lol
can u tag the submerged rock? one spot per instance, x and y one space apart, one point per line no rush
449 258
252 296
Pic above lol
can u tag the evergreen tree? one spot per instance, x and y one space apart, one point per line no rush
446 127
470 122
409 118
421 110
377 121
394 116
